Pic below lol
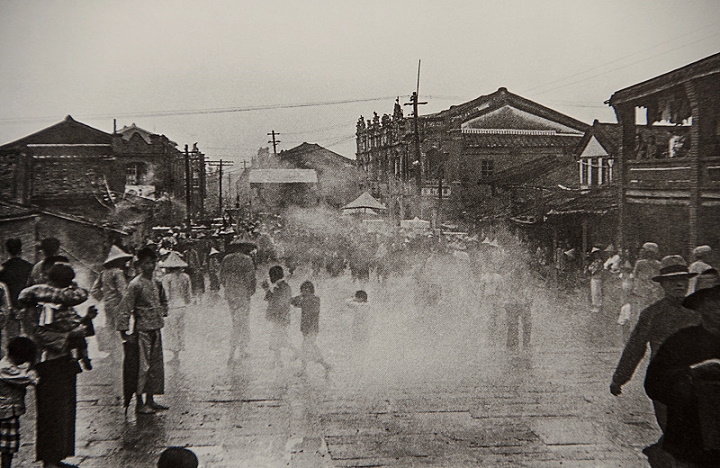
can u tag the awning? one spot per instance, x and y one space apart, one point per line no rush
365 201
283 176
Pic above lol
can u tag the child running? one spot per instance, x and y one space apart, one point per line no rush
360 328
15 376
309 305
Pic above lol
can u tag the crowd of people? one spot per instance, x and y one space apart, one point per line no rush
145 295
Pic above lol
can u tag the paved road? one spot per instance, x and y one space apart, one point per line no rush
430 388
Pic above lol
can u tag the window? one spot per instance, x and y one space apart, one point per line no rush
487 167
131 174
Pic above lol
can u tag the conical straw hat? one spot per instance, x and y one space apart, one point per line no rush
173 261
116 253
213 251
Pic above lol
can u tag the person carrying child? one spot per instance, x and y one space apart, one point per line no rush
56 392
15 376
309 305
57 318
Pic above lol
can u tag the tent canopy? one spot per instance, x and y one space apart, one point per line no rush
365 201
415 223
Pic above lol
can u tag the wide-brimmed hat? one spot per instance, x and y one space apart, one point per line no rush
213 251
173 261
694 300
671 267
702 249
116 253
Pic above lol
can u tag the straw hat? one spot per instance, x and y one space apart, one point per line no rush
702 249
213 251
673 266
116 253
651 247
173 261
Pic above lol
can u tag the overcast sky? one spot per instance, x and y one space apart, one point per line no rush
198 71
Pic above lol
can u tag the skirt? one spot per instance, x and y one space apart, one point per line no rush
10 435
55 396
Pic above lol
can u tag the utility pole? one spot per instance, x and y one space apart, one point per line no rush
274 141
188 197
418 155
219 164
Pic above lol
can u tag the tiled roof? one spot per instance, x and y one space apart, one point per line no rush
314 156
67 132
545 171
473 140
10 211
503 97
596 201
704 67
127 132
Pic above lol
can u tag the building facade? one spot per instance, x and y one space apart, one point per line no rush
77 169
669 182
462 149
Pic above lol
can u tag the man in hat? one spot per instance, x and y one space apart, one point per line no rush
178 290
109 288
685 376
14 272
656 323
701 254
237 276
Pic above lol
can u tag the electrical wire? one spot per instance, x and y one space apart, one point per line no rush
222 110
614 69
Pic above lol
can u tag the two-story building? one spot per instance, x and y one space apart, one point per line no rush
77 169
669 179
462 148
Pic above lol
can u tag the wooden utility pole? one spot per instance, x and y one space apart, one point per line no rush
418 155
274 141
220 163
188 196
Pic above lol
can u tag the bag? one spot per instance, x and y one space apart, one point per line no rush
625 312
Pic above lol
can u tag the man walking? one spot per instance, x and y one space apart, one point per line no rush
685 376
144 300
14 272
237 276
656 323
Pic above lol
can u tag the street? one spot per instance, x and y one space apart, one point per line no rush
424 389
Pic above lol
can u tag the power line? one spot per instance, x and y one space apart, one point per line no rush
612 69
222 110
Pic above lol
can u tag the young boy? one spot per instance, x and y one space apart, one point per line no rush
360 327
278 295
309 305
15 376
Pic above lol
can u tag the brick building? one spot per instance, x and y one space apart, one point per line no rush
77 169
462 148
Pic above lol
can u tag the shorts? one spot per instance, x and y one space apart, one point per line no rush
10 435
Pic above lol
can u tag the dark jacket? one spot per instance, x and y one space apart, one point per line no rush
670 381
15 273
310 313
656 323
278 297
